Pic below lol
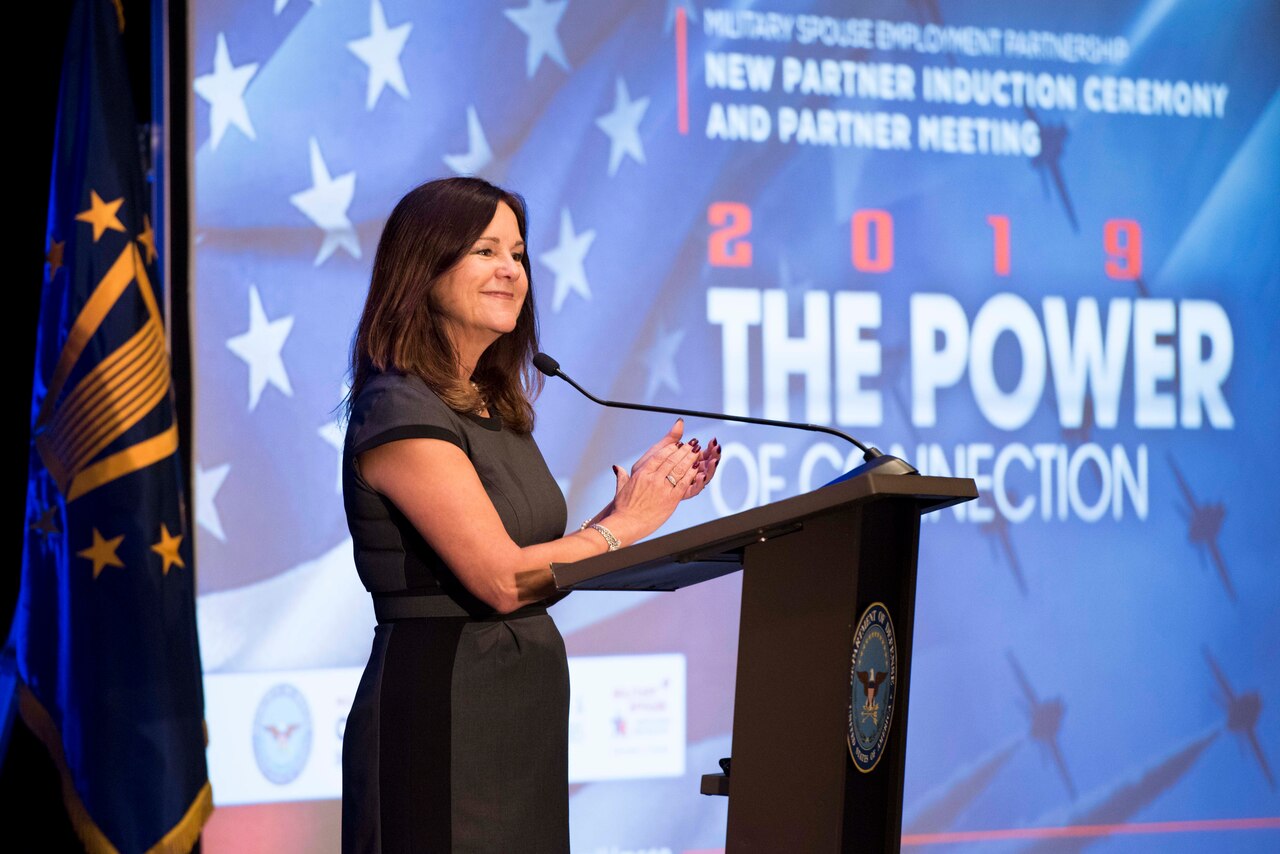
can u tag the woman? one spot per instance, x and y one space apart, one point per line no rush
458 737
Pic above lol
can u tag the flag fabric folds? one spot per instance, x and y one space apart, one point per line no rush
105 629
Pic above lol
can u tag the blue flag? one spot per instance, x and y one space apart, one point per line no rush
105 629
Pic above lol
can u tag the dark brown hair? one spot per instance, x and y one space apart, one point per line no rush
428 232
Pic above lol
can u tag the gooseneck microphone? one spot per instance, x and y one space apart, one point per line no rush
874 457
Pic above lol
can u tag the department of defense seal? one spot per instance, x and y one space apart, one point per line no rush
872 684
282 734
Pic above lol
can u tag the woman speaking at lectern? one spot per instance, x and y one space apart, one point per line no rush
458 736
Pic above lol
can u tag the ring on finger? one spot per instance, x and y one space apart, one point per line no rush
671 480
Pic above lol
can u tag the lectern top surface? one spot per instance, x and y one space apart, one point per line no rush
714 548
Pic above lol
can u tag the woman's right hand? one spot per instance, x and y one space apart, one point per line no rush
657 483
707 459
663 445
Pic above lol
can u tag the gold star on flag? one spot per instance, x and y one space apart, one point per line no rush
47 523
102 552
54 257
148 239
101 215
167 548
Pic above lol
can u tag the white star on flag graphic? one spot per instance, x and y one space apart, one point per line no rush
224 90
260 349
538 21
660 359
622 125
326 203
478 153
380 50
208 482
335 434
566 260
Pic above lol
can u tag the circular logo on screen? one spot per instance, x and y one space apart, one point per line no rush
282 734
872 683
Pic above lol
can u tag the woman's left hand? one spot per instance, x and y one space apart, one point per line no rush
705 464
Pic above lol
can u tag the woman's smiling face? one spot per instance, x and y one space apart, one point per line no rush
480 297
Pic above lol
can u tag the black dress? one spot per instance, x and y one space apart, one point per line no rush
458 736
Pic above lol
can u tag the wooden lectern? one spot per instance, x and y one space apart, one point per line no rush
812 565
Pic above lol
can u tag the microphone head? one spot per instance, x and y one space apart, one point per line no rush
546 364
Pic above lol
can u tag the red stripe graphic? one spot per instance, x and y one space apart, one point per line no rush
1079 830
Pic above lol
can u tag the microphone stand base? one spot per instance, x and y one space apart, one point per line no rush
882 464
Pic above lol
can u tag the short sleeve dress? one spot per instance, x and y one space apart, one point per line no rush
458 736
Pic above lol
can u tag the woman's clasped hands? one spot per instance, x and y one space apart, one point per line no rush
669 472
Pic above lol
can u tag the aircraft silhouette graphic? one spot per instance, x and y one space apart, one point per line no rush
998 530
941 808
1204 523
1127 797
1123 799
1046 721
1084 432
1079 436
931 13
1053 139
1243 711
893 370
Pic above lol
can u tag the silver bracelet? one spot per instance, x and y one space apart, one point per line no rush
609 538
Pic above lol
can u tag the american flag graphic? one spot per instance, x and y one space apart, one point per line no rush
1084 658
